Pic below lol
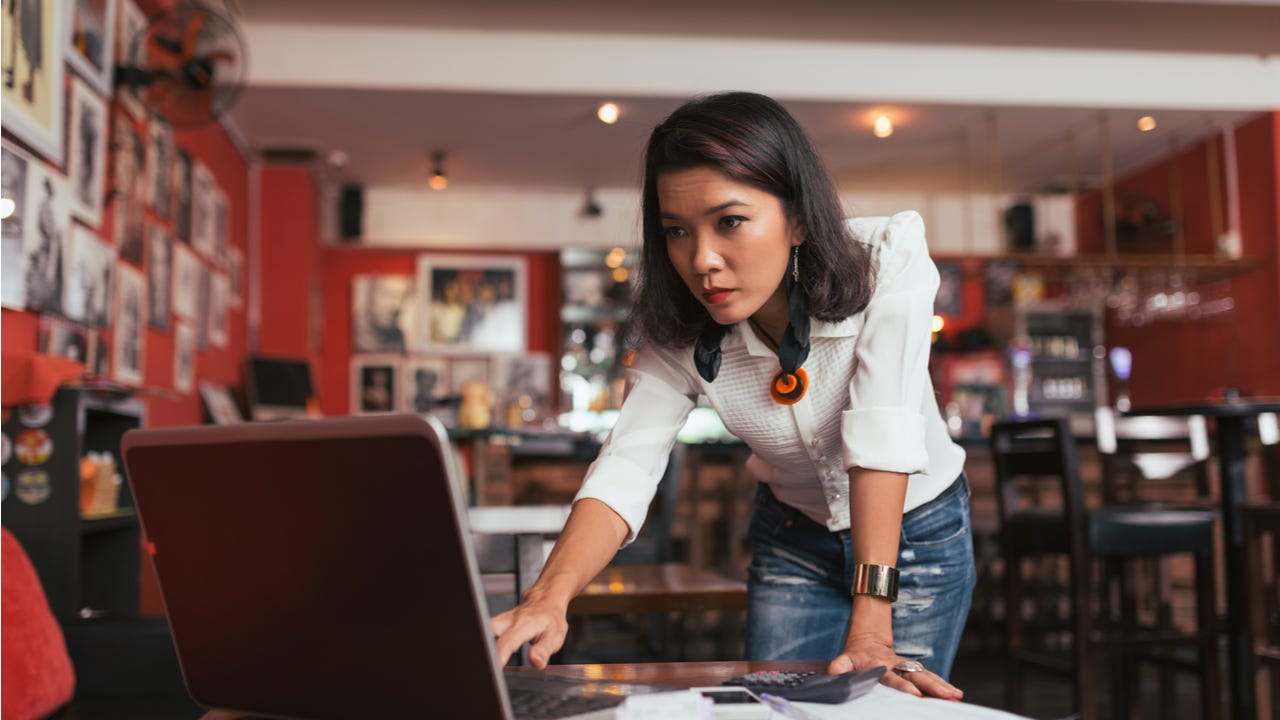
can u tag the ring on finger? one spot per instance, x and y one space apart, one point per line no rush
906 667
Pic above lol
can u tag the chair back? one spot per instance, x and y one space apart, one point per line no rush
1143 449
1038 490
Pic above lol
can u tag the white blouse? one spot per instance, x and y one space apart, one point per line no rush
870 401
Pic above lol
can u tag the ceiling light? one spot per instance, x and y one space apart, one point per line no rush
608 113
7 206
939 322
591 208
438 180
883 127
1146 123
615 258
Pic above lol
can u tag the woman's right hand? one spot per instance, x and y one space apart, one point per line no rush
536 619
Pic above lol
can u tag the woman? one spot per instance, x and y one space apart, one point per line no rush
810 336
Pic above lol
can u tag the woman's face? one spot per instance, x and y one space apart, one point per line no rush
731 244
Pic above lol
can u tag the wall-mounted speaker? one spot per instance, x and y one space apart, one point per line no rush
351 213
1020 222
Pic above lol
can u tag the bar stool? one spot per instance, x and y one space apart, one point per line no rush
1262 519
1042 513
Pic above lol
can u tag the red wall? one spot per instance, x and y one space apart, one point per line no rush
287 260
341 264
1187 360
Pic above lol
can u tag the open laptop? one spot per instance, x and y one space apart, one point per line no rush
324 569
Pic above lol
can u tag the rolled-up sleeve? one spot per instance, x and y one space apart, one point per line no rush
625 476
884 428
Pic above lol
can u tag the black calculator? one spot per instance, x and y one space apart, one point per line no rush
810 686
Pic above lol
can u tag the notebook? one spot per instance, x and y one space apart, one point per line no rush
324 569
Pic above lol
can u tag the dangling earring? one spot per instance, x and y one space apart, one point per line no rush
790 383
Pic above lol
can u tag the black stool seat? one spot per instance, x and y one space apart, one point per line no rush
1147 531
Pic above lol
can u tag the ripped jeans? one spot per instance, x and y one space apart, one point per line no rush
801 576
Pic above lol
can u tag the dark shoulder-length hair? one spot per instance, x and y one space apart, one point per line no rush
754 140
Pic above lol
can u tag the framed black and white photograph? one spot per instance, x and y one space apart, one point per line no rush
184 356
159 275
13 187
87 153
204 306
186 282
182 169
381 313
219 321
130 324
525 379
62 338
472 303
131 50
220 216
86 295
463 370
235 273
159 166
423 383
92 48
219 404
373 385
203 188
46 238
36 33
127 178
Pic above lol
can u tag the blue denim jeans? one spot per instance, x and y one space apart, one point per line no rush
801 576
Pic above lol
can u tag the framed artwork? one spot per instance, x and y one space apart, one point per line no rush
87 153
129 25
159 166
381 313
13 185
472 303
516 377
186 281
202 189
423 382
997 278
235 272
127 178
463 370
129 325
64 339
222 408
86 296
36 35
950 298
204 305
159 276
92 48
219 292
373 385
184 356
220 217
182 195
46 237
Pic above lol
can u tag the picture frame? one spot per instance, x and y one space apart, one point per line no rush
203 188
374 381
235 272
129 325
382 313
130 22
184 356
46 238
463 370
423 383
159 277
472 303
219 295
13 185
62 338
186 280
87 152
949 300
220 404
160 161
34 105
86 295
91 46
527 375
128 159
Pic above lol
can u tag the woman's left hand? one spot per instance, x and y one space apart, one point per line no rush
862 652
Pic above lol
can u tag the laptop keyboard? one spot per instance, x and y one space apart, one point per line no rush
533 705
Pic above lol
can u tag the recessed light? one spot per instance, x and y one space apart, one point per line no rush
1146 123
883 127
608 113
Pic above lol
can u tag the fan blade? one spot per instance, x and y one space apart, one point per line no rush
193 33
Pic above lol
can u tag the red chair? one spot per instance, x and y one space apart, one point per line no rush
35 669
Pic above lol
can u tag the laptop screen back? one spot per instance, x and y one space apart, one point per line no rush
317 569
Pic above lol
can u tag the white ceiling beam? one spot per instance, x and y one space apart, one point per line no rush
299 55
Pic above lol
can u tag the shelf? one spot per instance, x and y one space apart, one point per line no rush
103 522
1209 268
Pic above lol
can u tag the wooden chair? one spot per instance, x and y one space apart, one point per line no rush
1042 513
1262 521
1145 457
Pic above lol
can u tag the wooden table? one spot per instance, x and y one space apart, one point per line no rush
1230 419
677 674
664 587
